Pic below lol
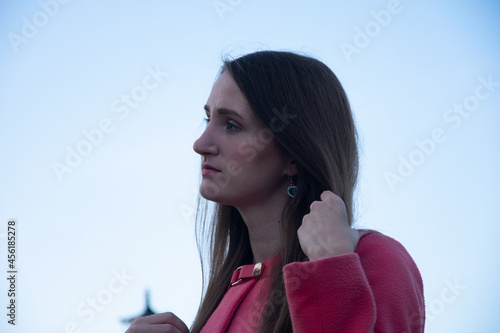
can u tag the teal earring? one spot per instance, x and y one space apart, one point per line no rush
292 189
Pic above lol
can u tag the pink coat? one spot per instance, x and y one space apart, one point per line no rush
378 288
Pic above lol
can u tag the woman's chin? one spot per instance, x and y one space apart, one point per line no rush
213 196
209 192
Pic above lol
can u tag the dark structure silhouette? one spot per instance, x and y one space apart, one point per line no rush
147 311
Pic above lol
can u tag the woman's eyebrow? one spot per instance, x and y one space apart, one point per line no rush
223 111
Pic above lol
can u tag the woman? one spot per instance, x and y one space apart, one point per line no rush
280 160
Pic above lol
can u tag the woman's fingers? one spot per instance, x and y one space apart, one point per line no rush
325 231
161 322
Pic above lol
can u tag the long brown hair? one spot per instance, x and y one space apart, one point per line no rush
303 103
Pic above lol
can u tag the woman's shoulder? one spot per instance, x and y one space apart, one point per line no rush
376 240
394 279
379 252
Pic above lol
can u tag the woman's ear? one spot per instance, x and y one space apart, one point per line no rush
291 168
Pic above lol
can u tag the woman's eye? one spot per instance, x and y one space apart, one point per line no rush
206 120
231 127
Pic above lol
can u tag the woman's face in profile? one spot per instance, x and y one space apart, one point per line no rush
241 163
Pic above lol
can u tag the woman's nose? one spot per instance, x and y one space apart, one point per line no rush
205 145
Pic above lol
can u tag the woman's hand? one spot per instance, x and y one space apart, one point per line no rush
325 231
158 323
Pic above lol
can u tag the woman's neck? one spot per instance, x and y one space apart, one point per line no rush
264 229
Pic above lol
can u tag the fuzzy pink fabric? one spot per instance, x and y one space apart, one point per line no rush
378 288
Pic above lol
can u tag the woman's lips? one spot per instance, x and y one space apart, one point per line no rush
208 169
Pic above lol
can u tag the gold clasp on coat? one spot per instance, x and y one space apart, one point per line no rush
257 269
239 280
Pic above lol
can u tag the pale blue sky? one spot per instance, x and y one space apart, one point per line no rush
126 207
